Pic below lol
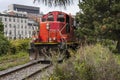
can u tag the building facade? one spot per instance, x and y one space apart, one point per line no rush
18 26
24 8
20 21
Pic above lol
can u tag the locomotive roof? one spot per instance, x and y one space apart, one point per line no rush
58 12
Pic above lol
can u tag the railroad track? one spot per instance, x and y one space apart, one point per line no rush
37 72
25 71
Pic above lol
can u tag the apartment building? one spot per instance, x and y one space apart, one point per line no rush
18 25
24 8
20 21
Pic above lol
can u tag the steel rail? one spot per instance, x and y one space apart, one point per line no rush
17 68
38 71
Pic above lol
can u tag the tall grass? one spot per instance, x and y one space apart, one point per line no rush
93 62
11 60
16 55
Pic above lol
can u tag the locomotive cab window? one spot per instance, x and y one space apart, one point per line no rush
60 18
43 19
50 18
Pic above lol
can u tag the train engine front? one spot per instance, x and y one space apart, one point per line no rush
56 31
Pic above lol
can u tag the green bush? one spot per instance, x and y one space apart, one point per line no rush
19 45
91 63
4 45
111 44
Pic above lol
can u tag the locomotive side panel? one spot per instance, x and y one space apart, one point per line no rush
43 32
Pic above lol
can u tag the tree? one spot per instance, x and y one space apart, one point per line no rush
1 27
4 43
60 3
99 19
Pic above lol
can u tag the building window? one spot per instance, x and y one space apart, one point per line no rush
22 32
14 26
10 33
15 30
25 27
25 21
14 19
10 19
5 32
21 21
21 26
5 25
32 27
5 19
10 25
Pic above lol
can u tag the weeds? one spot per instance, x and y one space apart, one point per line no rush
8 61
93 62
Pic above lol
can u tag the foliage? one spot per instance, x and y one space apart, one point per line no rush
19 45
99 19
109 44
90 63
4 45
1 28
61 3
7 61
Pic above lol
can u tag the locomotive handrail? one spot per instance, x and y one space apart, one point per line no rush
62 37
63 27
61 31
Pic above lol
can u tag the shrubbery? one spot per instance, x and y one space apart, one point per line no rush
18 45
12 46
4 45
90 63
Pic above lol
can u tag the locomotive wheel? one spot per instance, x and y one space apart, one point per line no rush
51 53
67 54
34 54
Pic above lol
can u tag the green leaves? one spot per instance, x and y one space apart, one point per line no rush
19 45
50 3
99 18
1 27
4 45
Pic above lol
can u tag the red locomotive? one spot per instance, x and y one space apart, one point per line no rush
56 31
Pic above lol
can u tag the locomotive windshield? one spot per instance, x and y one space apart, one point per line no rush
60 18
50 18
43 19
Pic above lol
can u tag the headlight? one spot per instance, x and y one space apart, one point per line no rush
50 39
47 26
54 38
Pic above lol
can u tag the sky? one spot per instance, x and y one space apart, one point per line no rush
70 9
